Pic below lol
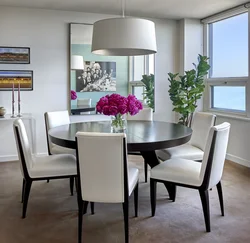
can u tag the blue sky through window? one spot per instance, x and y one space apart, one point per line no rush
230 47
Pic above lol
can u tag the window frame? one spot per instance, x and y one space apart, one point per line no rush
223 81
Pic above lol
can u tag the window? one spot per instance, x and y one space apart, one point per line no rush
140 65
227 48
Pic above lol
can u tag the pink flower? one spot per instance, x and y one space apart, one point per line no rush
73 95
105 110
116 104
113 111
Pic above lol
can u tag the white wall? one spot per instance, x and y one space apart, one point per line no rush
46 32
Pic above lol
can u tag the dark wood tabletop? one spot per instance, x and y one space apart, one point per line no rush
76 110
141 135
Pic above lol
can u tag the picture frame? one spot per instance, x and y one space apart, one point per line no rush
14 55
10 77
97 76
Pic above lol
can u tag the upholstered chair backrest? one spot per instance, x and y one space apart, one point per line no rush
84 101
23 147
146 114
201 124
102 165
55 119
214 155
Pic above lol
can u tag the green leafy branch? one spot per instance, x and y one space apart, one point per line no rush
187 89
149 84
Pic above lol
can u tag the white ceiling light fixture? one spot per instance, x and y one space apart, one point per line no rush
77 62
124 36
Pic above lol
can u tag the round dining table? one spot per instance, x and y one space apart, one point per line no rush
143 136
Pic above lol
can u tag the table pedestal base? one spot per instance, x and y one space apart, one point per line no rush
152 160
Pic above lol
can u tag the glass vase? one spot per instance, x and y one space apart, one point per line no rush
118 123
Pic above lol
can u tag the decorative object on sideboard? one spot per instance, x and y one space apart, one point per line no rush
117 107
19 102
13 101
14 55
8 77
2 112
124 36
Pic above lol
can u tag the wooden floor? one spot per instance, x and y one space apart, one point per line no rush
52 213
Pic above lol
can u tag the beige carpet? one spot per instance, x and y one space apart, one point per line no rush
52 213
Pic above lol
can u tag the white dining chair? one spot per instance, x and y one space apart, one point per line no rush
55 119
194 149
146 114
103 174
36 168
83 101
200 176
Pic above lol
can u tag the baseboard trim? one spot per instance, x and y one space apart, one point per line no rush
8 158
238 160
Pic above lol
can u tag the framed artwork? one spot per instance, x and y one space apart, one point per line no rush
14 55
96 76
10 77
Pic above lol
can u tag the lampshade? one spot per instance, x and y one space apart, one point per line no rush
124 37
77 62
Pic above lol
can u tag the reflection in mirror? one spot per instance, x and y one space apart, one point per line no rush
93 76
140 85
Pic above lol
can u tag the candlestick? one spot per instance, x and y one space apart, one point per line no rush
19 101
13 102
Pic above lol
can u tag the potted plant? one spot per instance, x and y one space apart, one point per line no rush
149 83
186 90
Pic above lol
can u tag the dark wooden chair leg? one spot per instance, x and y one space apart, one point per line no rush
23 188
220 194
173 192
26 196
136 199
71 183
205 205
48 181
80 213
153 196
92 205
85 206
126 215
146 171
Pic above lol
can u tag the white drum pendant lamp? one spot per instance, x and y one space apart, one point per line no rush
124 36
77 62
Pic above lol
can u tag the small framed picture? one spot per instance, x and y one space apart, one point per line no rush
14 55
8 78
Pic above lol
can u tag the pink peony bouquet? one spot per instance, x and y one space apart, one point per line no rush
115 104
73 95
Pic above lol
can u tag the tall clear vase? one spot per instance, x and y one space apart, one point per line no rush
118 123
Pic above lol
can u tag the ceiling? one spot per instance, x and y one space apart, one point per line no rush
172 9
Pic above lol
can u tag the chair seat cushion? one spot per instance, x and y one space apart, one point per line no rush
53 165
55 149
185 151
133 177
178 170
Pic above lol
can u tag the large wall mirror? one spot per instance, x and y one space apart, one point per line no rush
93 76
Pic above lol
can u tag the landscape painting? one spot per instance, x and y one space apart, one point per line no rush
22 77
14 55
96 76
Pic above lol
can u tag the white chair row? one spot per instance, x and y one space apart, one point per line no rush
61 163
